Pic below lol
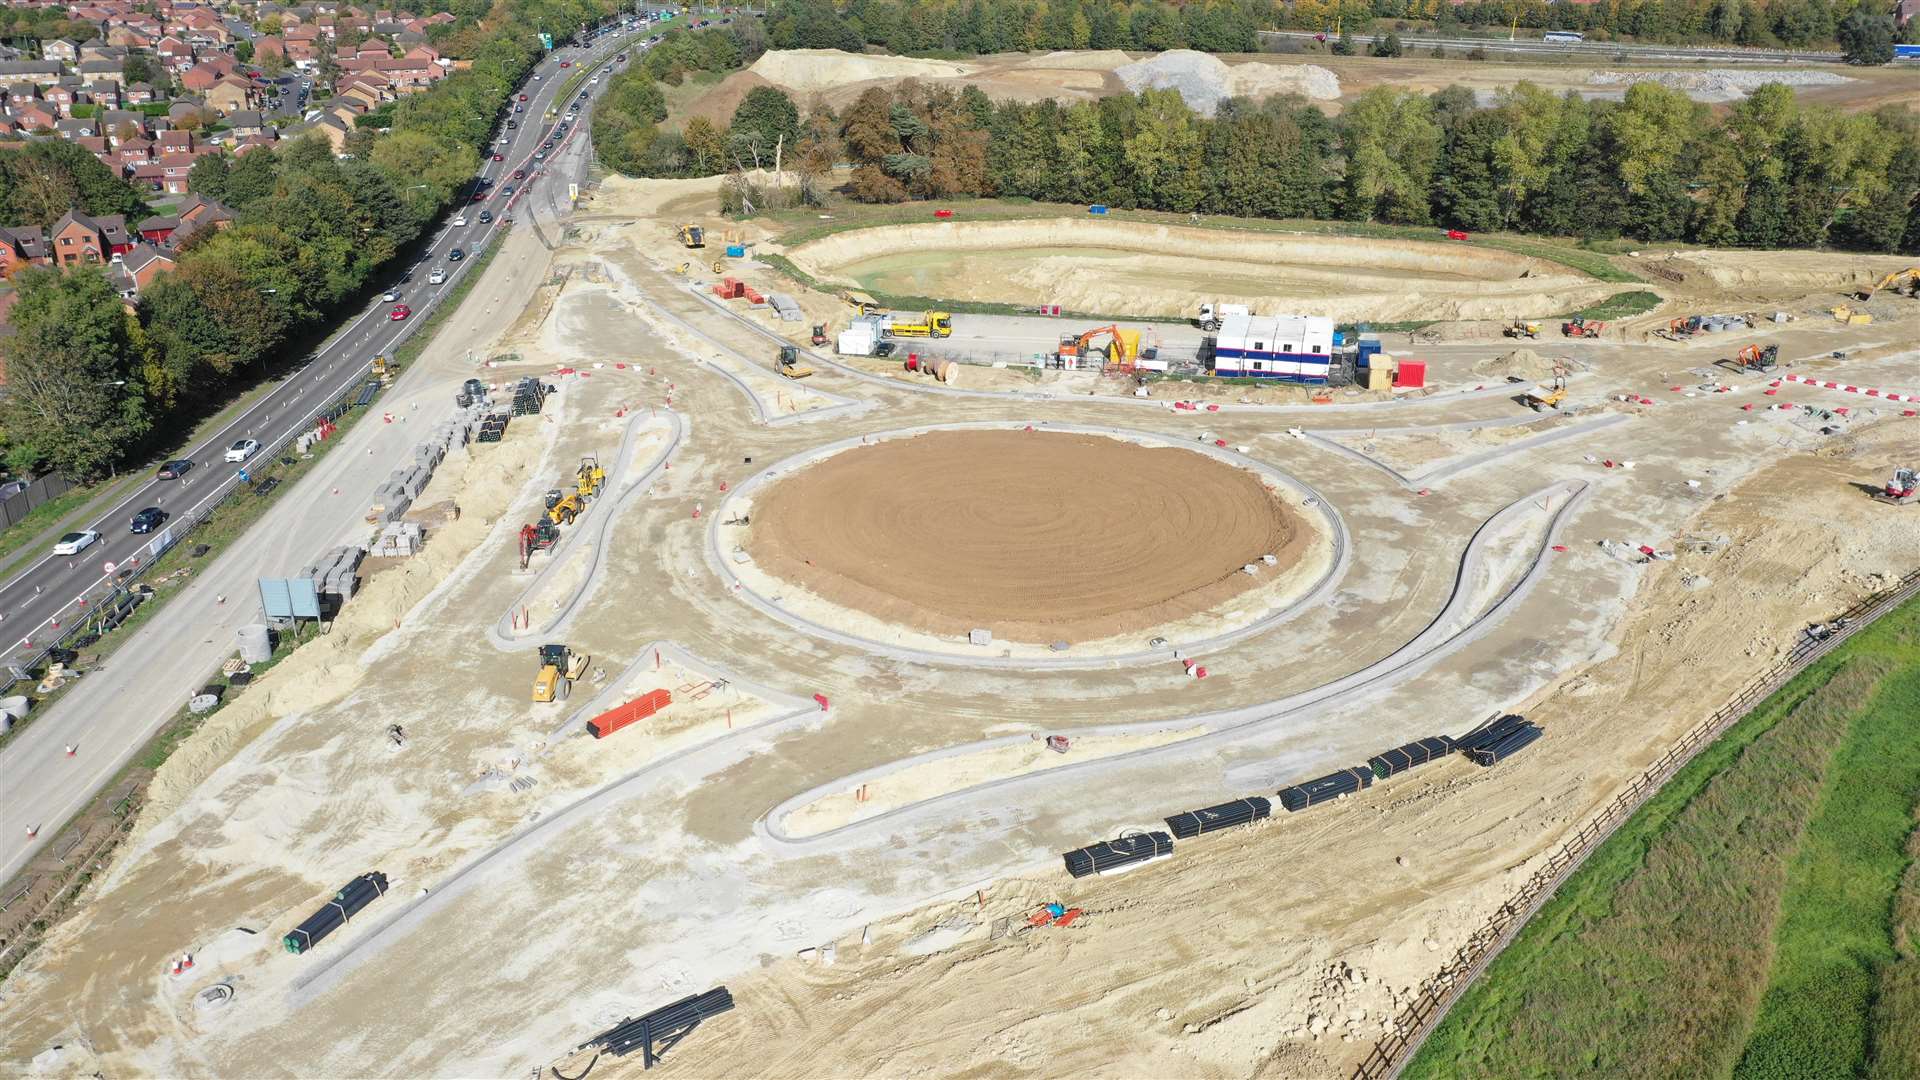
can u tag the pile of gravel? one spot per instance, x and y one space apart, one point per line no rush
1204 81
1718 84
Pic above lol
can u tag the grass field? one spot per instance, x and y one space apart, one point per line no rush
1759 917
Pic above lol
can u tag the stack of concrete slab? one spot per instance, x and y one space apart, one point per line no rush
398 538
334 573
784 306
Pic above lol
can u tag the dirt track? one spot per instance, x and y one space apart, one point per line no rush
1038 536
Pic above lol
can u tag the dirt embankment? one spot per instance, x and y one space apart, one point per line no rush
1133 268
1037 536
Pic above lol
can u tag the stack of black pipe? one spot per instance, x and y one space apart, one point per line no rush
1325 788
1498 739
1113 854
493 427
1192 823
662 1023
529 396
1402 758
333 914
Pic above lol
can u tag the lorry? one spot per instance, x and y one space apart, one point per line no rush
933 324
1212 314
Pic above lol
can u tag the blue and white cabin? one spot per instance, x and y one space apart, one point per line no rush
1291 348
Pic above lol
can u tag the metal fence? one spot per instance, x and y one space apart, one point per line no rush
16 506
1437 994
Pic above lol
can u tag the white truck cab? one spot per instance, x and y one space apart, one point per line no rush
1211 314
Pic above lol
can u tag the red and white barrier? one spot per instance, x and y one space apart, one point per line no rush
1849 388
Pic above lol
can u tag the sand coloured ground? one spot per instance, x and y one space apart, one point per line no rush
1036 536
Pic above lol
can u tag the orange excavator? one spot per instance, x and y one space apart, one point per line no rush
1078 350
1758 357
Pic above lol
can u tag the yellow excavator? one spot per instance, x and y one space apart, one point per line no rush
1904 282
590 478
1520 329
693 236
559 667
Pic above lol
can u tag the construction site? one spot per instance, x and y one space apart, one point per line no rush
798 674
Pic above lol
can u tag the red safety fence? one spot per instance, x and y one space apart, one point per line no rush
621 715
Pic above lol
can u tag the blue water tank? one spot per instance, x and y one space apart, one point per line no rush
736 251
1097 208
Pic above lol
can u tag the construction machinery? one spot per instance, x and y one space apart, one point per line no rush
1547 396
1579 327
1903 489
538 536
1213 315
589 478
693 236
1079 349
790 364
559 667
863 304
384 369
1681 328
563 506
1519 329
933 324
1904 282
819 335
1758 357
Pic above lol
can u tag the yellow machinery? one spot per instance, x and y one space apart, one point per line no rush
1120 352
564 506
384 369
934 324
1518 329
590 477
1549 396
790 365
559 667
863 304
693 236
1905 282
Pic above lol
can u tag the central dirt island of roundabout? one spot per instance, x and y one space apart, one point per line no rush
1027 544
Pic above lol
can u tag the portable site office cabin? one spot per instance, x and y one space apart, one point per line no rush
1289 348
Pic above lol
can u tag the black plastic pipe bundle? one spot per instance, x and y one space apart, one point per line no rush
333 914
1192 823
1109 855
668 1024
1489 733
1402 758
1331 786
1514 741
529 395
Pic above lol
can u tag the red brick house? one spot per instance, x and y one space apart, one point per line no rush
22 247
79 240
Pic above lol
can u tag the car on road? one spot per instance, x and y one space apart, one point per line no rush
582 97
456 255
479 196
486 217
519 108
566 63
523 97
511 124
173 470
399 312
621 59
499 157
390 295
75 542
242 450
508 190
548 145
439 275
459 222
147 520
518 174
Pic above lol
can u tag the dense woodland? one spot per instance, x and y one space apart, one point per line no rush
90 389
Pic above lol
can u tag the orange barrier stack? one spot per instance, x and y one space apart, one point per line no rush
621 715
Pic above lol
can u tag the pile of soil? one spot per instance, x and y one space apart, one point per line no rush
1204 81
1518 364
1036 536
1718 84
809 71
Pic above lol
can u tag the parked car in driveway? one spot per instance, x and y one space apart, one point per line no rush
147 520
75 542
174 470
243 450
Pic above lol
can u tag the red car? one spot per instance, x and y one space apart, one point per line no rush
497 157
523 97
519 174
399 312
479 196
566 63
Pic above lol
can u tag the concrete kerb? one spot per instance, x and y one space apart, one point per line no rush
1101 399
702 759
1336 529
601 515
1432 644
1445 469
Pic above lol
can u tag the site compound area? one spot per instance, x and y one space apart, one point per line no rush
800 670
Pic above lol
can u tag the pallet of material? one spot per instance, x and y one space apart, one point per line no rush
1325 788
1192 823
621 715
1499 750
1402 758
1123 853
1489 733
784 306
345 904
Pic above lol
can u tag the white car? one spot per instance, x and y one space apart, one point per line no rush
460 222
243 450
390 295
75 542
438 276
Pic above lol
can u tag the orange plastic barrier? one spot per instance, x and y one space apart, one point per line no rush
621 715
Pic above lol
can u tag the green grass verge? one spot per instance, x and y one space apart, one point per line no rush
410 349
1743 916
844 216
909 302
42 519
1621 305
1896 1009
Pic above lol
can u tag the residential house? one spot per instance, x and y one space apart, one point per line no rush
369 88
106 95
147 176
174 52
61 98
129 36
138 267
23 247
348 110
245 122
171 142
102 49
158 229
115 122
138 93
330 128
72 129
233 93
62 50
107 71
269 46
33 115
132 152
197 213
1904 11
174 168
79 239
30 72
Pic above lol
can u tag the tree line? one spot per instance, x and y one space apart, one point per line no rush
92 387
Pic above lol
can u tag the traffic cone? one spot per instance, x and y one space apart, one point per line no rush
69 751
33 831
186 961
175 969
